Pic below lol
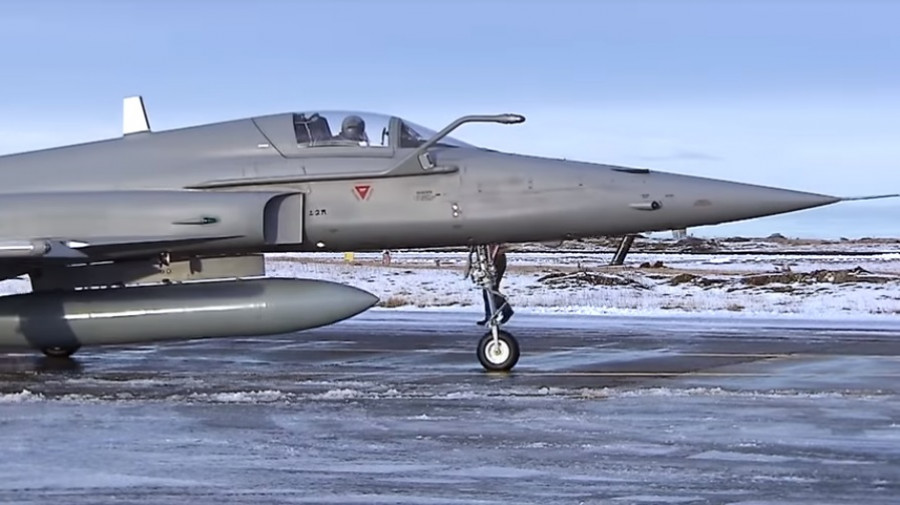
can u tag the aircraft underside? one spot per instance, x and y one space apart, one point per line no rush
158 299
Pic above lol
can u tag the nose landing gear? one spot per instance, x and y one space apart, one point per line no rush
498 350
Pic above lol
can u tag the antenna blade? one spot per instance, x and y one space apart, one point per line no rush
134 116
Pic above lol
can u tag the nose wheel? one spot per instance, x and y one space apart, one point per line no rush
500 353
60 352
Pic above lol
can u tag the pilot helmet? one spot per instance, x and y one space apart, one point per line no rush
353 128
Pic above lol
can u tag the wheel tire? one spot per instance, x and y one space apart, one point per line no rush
501 359
59 352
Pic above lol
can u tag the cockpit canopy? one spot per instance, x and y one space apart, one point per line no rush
361 129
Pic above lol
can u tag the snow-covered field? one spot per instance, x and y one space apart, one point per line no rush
826 286
810 279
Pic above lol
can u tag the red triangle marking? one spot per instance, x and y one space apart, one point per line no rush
362 191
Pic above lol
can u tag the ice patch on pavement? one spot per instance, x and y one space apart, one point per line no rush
652 498
783 478
339 394
772 458
498 472
718 391
399 392
266 396
21 397
23 476
741 456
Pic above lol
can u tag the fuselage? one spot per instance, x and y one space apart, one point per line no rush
349 203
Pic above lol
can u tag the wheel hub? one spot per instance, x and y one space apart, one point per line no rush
497 352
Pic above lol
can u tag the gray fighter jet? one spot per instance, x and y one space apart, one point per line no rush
160 235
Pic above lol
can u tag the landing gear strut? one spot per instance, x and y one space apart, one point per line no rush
498 350
622 251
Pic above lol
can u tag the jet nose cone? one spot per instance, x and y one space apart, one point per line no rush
717 201
767 201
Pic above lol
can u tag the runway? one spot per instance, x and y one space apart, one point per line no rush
392 407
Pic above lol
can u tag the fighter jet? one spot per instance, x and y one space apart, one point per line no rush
160 235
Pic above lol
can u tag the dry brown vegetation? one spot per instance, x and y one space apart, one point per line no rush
393 302
585 278
818 276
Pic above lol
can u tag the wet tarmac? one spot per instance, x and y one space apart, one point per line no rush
392 407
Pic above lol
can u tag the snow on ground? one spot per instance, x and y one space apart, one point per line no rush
824 281
820 287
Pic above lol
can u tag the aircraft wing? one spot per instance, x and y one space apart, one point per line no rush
87 248
58 229
20 256
111 247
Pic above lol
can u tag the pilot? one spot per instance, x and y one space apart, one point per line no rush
353 128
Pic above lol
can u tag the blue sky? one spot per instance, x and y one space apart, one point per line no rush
798 94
